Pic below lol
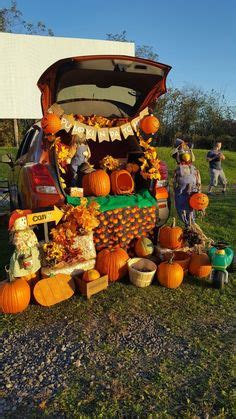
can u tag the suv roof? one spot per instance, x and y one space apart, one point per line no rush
108 85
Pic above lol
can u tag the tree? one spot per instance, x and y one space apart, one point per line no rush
11 20
144 51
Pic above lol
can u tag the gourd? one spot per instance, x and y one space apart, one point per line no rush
51 123
199 201
90 275
171 237
14 296
149 124
200 265
170 274
143 247
112 262
96 183
53 290
121 182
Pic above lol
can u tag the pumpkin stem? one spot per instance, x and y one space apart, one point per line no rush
173 222
171 259
9 274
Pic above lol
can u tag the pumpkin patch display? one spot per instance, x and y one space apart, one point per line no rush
53 290
171 237
121 182
199 201
112 262
170 274
14 296
143 247
122 225
96 183
51 123
200 265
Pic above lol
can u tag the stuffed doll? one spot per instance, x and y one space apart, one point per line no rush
25 259
186 180
81 157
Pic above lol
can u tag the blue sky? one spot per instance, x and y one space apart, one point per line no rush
196 37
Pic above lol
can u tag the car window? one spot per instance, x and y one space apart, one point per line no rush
25 144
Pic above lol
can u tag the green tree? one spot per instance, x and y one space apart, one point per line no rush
144 51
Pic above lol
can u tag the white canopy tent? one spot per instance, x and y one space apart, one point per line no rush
25 57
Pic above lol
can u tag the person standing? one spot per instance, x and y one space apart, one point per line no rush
215 157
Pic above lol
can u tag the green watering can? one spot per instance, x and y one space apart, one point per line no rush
221 256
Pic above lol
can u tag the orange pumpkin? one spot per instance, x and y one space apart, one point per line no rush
171 237
143 247
170 274
90 275
149 124
51 123
96 183
199 201
14 296
121 182
112 262
200 265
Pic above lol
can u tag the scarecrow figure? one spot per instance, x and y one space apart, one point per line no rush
186 180
25 259
79 161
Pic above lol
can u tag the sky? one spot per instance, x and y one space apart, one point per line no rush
196 37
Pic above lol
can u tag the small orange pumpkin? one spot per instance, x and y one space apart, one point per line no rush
96 183
112 262
149 124
170 274
121 182
171 237
90 275
200 265
14 296
143 247
199 201
51 123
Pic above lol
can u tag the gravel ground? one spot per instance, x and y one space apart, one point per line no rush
37 363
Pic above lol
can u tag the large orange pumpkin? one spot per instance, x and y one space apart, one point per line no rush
112 262
170 274
51 123
171 237
199 201
200 265
14 296
96 183
143 247
121 182
149 124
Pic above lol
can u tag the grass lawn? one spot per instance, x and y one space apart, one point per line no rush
141 351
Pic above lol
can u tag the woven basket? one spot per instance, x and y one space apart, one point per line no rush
136 276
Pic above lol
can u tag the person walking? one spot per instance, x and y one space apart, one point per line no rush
215 157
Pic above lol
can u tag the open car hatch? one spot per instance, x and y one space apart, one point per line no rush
109 85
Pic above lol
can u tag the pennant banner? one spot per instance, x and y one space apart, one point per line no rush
83 131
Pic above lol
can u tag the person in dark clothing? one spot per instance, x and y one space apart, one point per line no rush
215 157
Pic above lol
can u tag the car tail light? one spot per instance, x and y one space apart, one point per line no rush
42 180
163 170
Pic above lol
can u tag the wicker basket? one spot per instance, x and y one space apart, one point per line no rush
136 276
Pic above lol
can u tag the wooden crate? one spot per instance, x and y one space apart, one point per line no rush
90 288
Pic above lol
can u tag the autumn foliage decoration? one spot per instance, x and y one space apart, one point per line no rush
113 263
150 168
77 221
